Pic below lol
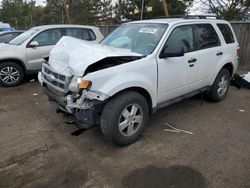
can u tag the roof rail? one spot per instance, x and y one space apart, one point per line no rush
190 16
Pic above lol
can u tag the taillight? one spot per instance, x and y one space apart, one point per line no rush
238 52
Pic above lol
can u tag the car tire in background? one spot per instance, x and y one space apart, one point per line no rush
11 74
220 86
124 117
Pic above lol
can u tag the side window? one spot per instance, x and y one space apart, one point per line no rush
207 36
48 37
182 37
74 32
6 37
227 33
88 34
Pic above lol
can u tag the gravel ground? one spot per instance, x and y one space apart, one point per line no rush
37 149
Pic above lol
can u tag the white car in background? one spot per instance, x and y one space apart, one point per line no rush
24 54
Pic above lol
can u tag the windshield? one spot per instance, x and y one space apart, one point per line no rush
23 37
137 37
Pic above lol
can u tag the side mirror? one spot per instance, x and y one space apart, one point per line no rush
33 44
172 52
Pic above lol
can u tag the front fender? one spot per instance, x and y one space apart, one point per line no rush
120 83
113 84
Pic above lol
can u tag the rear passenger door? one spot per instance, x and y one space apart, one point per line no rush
208 52
229 44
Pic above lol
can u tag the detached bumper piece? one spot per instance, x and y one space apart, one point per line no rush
84 117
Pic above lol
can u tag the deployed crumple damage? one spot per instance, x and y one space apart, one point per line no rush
73 56
110 62
81 102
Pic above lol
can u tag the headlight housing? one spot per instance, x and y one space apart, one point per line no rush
73 86
78 83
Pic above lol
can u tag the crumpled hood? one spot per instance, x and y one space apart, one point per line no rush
72 56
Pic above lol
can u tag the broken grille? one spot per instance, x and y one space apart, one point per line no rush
58 81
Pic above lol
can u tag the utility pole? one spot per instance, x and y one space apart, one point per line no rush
165 7
62 17
66 8
142 9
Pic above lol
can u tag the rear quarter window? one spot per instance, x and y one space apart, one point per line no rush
207 36
88 34
80 33
227 33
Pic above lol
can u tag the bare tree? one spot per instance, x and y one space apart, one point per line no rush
229 9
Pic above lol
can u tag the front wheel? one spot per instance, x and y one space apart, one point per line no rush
220 86
124 118
11 74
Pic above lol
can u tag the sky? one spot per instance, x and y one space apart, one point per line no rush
198 8
38 2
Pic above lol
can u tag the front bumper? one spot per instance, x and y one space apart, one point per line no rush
85 111
86 117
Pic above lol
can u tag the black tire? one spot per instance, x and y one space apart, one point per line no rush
216 95
112 115
15 68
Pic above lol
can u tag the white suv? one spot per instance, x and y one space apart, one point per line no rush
140 67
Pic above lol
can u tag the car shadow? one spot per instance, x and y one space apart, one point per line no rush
174 176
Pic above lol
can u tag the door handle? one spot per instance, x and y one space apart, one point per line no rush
192 60
219 53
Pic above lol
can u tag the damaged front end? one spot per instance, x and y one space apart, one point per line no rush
72 96
64 74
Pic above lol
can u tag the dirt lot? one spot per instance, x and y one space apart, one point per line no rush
38 150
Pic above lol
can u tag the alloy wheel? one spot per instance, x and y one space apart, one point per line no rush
130 120
9 75
222 86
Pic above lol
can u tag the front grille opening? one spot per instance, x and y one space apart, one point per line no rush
57 80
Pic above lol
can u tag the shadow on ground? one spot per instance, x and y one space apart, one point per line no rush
174 176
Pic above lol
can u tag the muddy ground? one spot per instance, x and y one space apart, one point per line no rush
37 148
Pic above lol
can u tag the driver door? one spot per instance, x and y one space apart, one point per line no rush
46 41
176 74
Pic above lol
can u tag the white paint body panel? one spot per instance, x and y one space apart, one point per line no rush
163 79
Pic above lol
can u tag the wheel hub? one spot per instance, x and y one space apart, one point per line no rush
130 120
222 86
9 75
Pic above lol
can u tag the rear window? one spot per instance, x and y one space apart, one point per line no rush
207 36
227 33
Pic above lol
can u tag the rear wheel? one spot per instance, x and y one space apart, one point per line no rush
220 87
124 118
11 74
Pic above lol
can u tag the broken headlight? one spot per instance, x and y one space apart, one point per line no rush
74 86
79 83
